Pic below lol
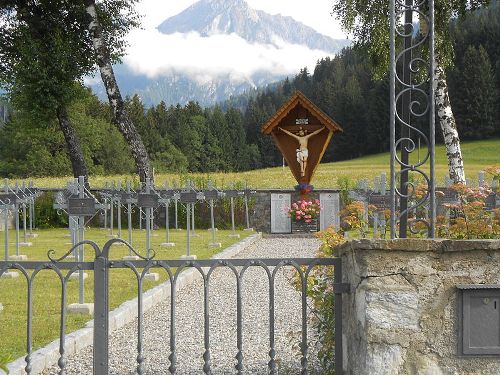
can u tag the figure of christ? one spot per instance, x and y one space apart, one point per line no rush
302 151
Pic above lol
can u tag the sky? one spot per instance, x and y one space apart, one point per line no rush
154 54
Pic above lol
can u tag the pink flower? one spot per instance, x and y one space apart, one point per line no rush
298 217
308 221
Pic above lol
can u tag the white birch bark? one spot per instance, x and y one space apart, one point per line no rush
448 127
120 114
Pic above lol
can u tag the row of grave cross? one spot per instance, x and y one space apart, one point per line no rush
81 206
379 198
19 201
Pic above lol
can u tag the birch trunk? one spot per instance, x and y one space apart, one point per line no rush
120 115
449 128
74 150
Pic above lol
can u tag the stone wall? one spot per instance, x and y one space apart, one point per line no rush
401 315
260 212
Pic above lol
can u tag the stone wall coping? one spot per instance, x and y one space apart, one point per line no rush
291 191
419 245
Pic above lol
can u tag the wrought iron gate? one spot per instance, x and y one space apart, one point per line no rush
102 264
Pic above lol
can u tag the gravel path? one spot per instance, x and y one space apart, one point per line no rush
222 302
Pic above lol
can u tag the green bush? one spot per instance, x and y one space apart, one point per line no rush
45 214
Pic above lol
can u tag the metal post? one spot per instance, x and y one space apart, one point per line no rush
101 316
232 216
212 219
233 226
119 211
247 214
188 234
407 84
406 117
214 242
16 212
129 218
392 115
106 212
6 212
140 218
112 213
176 212
432 123
148 221
81 230
167 242
25 232
167 225
31 210
193 232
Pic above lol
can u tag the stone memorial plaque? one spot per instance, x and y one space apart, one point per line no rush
211 195
280 221
81 207
231 193
188 196
330 213
147 200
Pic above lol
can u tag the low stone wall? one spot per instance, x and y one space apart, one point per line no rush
260 214
401 316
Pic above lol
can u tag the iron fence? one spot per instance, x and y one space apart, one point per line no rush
102 265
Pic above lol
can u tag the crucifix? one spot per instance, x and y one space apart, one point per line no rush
302 152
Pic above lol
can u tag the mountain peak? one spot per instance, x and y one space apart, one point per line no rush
212 17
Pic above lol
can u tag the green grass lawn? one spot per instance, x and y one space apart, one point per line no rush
47 288
477 155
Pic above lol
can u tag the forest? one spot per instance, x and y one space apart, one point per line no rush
227 137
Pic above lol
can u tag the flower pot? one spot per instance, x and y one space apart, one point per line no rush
303 227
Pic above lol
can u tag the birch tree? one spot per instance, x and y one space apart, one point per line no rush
368 23
100 42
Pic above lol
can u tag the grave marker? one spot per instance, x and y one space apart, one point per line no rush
188 197
6 202
211 195
330 210
166 196
280 221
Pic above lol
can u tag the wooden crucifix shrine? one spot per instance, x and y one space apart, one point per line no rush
302 133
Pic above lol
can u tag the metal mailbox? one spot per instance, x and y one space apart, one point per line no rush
479 320
81 207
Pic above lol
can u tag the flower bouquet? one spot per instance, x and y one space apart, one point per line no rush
305 210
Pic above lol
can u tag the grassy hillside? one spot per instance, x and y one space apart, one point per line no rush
477 156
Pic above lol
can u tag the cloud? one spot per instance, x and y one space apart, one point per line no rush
154 54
